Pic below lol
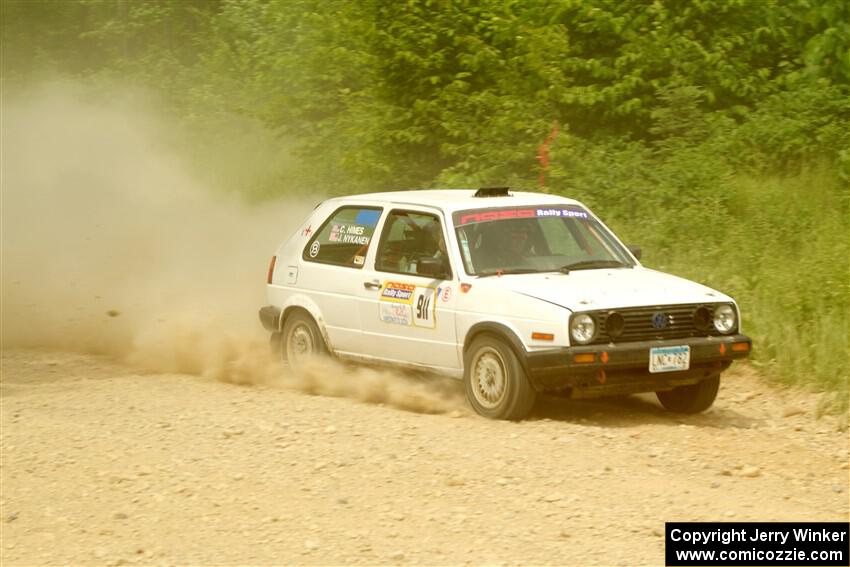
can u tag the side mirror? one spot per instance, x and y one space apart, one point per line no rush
432 267
635 250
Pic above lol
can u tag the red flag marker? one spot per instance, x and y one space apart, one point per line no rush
543 152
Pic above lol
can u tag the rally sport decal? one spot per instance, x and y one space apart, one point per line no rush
408 304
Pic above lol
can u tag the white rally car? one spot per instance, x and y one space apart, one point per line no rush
516 293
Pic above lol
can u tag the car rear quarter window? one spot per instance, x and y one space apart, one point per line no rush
344 238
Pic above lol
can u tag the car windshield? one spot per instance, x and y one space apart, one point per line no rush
535 239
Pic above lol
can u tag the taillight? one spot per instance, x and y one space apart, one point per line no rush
271 270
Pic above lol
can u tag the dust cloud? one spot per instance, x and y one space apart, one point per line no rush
114 242
420 394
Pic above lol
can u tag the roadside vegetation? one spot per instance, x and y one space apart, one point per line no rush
715 133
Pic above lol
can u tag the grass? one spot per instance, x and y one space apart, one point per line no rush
781 246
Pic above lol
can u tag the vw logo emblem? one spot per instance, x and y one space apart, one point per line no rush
659 320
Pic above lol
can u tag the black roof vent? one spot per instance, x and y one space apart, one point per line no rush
493 192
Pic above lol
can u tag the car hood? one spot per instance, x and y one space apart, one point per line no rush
582 290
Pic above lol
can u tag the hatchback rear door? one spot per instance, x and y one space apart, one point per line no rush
332 269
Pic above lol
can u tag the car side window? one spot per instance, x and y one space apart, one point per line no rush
408 239
344 238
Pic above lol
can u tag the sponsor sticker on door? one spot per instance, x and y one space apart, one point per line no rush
446 295
424 307
395 313
408 304
398 292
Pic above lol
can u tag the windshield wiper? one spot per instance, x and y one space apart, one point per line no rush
509 271
590 265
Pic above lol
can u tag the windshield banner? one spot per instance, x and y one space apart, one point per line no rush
487 215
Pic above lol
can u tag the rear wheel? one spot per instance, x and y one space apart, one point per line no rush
693 398
495 382
301 339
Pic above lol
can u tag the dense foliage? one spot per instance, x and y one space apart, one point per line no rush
714 132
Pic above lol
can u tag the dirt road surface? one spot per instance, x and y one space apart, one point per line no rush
105 465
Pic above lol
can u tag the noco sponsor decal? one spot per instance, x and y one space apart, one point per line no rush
408 304
486 215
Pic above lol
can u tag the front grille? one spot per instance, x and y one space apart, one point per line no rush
678 322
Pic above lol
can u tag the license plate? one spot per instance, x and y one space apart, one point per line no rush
669 359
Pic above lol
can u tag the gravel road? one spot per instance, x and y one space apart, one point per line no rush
187 447
105 465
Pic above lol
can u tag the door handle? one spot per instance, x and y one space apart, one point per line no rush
372 285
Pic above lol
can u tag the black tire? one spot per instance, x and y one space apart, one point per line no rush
301 339
693 398
496 384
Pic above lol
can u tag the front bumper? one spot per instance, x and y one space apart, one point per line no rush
624 368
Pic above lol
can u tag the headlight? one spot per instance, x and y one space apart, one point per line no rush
582 328
724 318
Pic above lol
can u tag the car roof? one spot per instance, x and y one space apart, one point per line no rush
450 200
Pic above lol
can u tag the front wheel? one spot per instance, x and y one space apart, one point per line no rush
495 382
693 398
301 339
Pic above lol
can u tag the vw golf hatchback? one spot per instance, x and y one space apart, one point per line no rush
515 293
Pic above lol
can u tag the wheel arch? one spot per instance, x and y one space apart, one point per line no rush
303 303
506 334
